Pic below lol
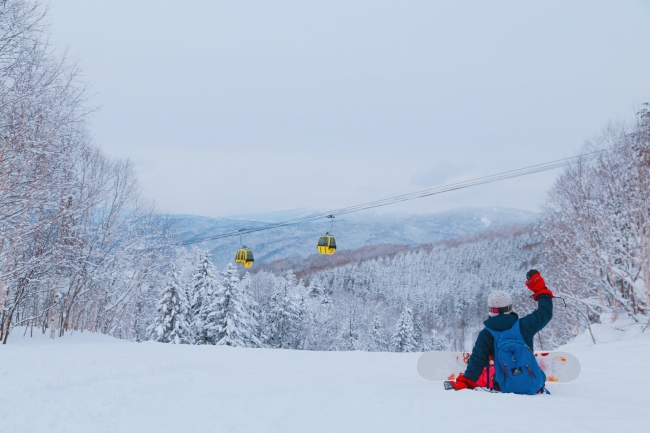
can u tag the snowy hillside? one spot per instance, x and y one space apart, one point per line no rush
352 231
94 383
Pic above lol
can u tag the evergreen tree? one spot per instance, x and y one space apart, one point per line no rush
232 320
284 320
319 327
403 339
171 324
201 293
418 335
350 337
377 338
255 309
437 341
316 290
304 314
327 301
323 330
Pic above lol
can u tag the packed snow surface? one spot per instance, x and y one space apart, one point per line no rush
94 383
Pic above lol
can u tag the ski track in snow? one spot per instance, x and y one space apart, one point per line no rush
94 383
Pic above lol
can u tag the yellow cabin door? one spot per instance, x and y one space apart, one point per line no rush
325 244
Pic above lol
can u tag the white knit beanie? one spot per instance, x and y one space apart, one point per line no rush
499 303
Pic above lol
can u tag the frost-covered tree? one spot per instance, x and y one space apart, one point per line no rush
80 249
419 335
171 325
316 290
596 226
201 292
283 323
377 337
403 339
321 331
436 341
231 321
352 327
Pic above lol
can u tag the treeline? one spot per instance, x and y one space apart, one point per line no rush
427 298
77 243
199 306
443 289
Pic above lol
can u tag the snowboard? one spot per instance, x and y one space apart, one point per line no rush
441 365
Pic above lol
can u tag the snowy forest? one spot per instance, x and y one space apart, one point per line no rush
78 245
432 297
82 250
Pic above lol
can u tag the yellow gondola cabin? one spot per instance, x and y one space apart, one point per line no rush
326 244
245 257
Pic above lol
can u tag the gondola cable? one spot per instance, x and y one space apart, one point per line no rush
538 168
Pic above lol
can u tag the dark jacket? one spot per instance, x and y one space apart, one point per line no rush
529 325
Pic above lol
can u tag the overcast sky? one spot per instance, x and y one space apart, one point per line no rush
230 108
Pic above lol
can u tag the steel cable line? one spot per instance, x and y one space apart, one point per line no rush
538 168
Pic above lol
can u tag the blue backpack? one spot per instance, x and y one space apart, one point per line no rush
515 367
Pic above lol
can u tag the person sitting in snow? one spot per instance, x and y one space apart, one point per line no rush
501 324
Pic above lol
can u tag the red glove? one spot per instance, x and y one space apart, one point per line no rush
463 383
536 284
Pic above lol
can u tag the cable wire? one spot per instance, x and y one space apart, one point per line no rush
538 168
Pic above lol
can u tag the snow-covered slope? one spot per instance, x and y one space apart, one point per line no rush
93 383
352 231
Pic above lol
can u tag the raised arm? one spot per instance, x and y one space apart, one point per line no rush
539 318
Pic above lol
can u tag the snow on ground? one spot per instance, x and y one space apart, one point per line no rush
93 383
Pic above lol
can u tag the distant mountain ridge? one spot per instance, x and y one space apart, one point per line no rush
351 231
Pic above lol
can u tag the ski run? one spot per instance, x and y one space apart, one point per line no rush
95 383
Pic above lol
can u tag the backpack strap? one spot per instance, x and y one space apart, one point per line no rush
514 331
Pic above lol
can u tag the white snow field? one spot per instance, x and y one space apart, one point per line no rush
93 383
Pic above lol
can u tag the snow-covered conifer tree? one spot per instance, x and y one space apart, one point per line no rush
351 329
321 331
436 341
171 325
377 337
403 339
201 292
419 336
232 320
283 323
316 290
